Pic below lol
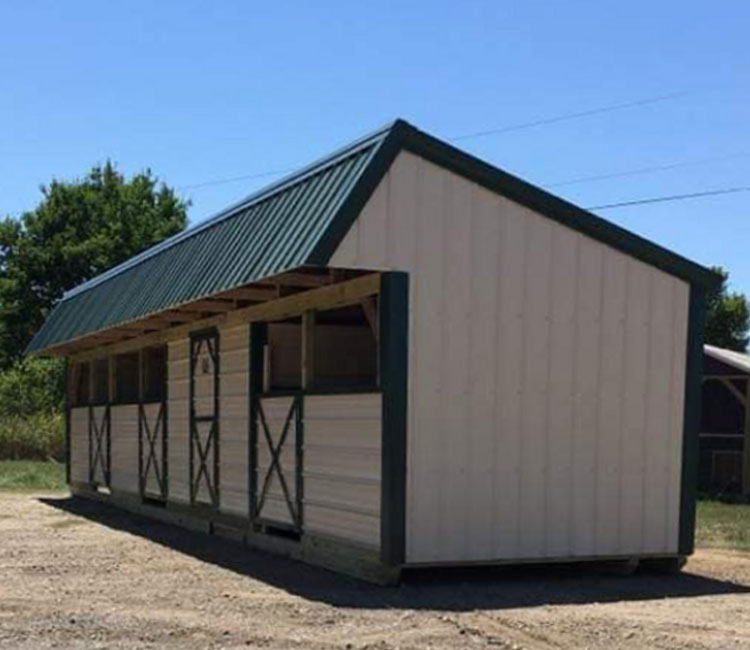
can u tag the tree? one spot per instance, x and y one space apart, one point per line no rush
727 316
78 230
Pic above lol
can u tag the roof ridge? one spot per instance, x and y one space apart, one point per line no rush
316 167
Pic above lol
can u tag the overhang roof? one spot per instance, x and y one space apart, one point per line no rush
737 360
299 221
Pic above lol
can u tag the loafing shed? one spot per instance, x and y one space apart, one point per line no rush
398 356
724 466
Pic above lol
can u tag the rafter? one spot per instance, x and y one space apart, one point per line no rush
216 306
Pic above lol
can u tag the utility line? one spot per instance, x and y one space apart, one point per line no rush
513 127
571 116
647 170
234 179
673 197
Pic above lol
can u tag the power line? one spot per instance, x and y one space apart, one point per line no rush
513 127
673 197
647 170
571 116
234 179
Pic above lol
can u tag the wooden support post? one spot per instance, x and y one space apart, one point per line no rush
110 379
70 382
308 349
141 378
92 366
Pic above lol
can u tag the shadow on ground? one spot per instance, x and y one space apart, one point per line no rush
434 589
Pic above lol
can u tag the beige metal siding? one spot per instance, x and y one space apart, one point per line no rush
342 466
79 444
124 447
546 376
233 420
178 392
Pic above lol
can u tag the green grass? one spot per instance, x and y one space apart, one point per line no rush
723 525
21 475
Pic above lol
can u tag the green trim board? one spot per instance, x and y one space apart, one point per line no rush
66 410
300 221
691 418
393 310
258 336
211 338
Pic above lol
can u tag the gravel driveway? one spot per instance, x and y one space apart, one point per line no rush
75 574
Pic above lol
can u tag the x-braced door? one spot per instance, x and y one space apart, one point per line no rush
99 445
279 461
152 443
204 418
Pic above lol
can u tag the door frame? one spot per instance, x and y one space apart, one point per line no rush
210 337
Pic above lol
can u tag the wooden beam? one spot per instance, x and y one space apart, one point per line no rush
216 306
369 306
250 293
327 297
735 391
176 317
297 279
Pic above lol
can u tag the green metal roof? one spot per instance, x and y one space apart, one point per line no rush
298 221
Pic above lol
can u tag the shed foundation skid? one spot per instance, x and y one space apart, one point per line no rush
330 553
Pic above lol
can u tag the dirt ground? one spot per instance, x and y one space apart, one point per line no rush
75 574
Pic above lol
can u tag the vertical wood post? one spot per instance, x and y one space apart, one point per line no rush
141 415
111 379
70 382
308 350
746 441
258 335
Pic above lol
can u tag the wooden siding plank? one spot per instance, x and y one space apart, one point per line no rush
658 408
561 392
342 469
124 448
482 381
588 351
509 370
633 444
453 532
609 422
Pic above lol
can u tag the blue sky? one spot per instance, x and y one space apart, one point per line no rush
202 91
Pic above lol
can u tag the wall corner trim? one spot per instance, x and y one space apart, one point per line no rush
691 419
394 356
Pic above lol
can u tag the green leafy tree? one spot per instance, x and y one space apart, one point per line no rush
78 230
727 316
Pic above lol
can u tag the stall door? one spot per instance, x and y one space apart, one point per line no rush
152 443
204 418
99 446
278 457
